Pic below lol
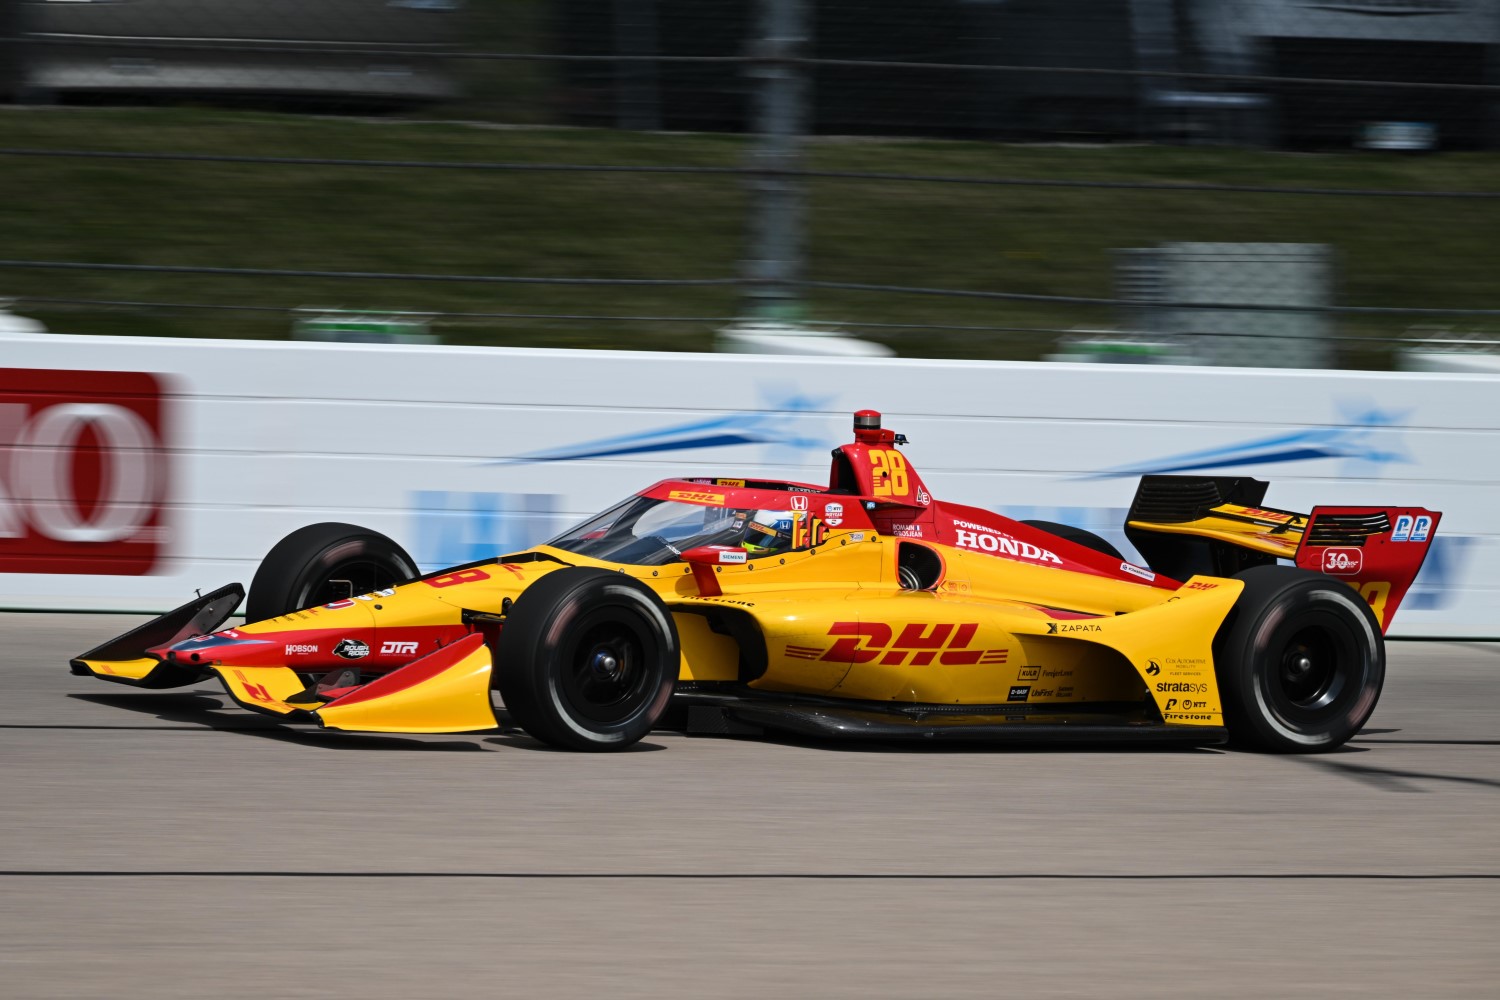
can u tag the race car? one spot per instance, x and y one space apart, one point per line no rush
863 608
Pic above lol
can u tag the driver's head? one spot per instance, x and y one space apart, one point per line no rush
768 531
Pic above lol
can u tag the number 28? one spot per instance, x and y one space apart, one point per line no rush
889 473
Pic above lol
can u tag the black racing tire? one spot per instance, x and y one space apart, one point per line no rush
300 570
1087 539
588 659
1300 662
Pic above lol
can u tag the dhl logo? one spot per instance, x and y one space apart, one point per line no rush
696 497
865 642
1260 515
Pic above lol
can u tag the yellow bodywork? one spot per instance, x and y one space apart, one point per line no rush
455 699
452 695
264 689
127 670
835 622
973 640
1273 532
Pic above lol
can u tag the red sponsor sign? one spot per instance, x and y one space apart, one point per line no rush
1343 561
83 472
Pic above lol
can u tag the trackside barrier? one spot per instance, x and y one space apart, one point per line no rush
134 471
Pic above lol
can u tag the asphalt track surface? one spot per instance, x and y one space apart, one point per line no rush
170 845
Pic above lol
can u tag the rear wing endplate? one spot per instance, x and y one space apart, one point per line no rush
1376 550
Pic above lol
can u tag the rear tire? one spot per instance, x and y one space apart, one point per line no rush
588 659
1300 662
1087 539
308 567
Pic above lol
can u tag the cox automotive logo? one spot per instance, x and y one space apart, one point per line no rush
1343 561
83 471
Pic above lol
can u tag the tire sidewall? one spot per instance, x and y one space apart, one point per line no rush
292 570
534 652
654 618
1260 636
1078 536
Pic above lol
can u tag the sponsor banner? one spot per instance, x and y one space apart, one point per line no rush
84 472
151 467
988 540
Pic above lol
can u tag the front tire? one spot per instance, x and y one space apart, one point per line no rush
587 659
1300 662
322 563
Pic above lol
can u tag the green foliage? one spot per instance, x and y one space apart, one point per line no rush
1037 240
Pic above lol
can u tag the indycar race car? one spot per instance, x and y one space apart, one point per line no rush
864 608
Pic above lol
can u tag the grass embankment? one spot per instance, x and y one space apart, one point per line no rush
1396 252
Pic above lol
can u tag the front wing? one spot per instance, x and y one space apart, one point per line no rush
446 691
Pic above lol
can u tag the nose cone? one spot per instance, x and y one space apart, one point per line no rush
228 646
307 640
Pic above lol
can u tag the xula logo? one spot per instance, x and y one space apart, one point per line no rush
781 421
1365 437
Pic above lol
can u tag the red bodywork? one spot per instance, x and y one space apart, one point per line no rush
1381 565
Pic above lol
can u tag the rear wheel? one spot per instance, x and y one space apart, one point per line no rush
1087 539
587 659
322 563
1300 662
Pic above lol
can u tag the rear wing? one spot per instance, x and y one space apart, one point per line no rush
1186 525
1376 550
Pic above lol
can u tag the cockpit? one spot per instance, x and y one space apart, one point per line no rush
643 531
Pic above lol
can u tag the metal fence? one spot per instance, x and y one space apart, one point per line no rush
1278 181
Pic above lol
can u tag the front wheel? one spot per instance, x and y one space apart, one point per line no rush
322 563
587 659
1300 662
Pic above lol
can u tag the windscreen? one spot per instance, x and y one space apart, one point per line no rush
646 532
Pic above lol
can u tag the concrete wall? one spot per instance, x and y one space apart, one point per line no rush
127 492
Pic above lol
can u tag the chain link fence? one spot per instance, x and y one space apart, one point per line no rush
1272 182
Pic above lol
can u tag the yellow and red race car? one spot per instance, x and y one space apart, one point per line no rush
864 608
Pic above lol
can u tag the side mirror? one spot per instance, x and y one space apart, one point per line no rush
705 561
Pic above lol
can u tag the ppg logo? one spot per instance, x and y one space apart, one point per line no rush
1412 529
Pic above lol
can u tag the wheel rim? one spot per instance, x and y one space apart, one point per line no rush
1316 670
607 677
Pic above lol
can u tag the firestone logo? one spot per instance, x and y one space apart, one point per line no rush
83 471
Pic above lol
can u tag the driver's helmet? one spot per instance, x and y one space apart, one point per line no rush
771 531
